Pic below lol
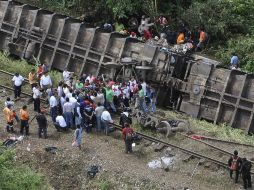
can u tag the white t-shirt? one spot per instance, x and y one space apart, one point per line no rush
116 90
53 101
66 90
18 80
126 92
36 93
45 80
66 75
73 101
144 87
60 91
105 116
132 84
60 119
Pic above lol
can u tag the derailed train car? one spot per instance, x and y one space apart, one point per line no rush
192 84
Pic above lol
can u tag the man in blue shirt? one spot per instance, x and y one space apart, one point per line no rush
234 61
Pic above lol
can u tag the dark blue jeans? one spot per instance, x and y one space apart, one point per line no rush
69 119
53 113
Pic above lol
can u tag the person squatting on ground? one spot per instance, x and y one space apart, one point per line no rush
42 124
17 80
127 134
60 123
234 164
24 118
245 171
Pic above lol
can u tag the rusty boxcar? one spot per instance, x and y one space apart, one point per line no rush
193 84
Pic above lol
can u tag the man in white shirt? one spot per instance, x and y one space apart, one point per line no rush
68 112
45 81
36 98
143 84
17 80
60 123
98 112
105 120
67 75
53 107
73 100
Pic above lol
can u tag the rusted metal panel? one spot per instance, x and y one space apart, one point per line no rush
192 84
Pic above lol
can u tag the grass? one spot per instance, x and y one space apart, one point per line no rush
221 131
23 67
15 177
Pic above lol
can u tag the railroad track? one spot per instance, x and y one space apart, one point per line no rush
187 151
11 89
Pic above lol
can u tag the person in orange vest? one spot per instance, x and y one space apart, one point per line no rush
234 164
24 118
9 115
180 38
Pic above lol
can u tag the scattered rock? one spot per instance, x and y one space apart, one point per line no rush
147 143
202 161
168 152
159 147
187 158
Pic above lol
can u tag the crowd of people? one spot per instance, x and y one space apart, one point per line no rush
158 32
79 103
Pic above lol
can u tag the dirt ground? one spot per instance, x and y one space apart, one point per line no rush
67 169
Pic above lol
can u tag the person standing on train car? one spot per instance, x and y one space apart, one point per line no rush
234 164
17 80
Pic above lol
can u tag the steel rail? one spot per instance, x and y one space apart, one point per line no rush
197 155
210 145
11 74
11 89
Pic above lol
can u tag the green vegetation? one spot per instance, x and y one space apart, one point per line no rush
21 66
105 185
228 22
222 131
13 177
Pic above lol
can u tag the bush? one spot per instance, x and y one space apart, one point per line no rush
243 46
10 65
222 19
14 177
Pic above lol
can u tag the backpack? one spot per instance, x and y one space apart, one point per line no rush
128 135
234 164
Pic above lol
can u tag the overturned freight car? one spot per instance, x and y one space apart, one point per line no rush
192 84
